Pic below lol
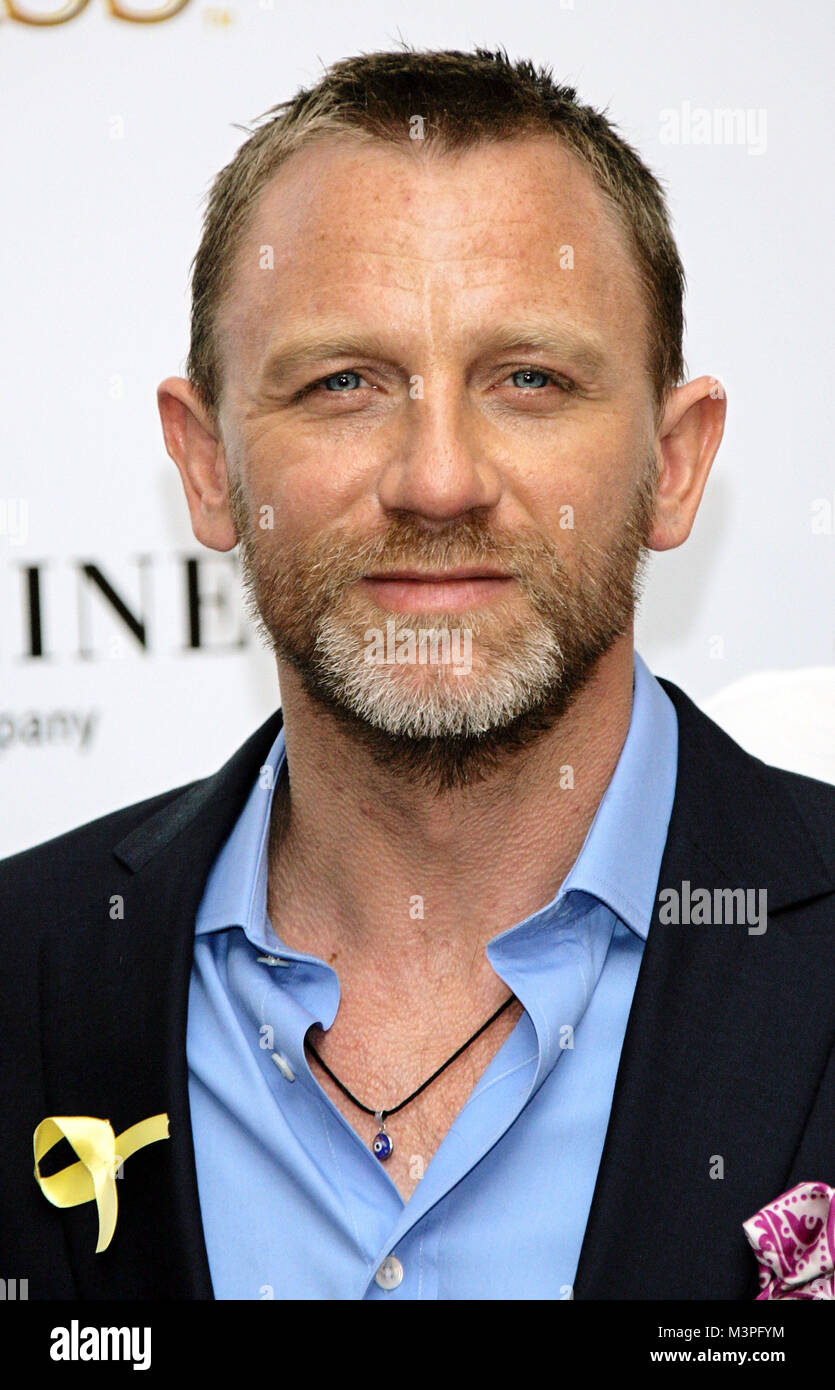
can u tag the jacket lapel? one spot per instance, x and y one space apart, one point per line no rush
722 1026
114 995
726 1041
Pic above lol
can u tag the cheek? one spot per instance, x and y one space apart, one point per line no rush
309 493
586 482
316 479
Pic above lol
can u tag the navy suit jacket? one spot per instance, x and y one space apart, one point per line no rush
729 1049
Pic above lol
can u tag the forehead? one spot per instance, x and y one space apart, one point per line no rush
408 235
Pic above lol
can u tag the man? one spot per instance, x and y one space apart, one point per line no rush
416 979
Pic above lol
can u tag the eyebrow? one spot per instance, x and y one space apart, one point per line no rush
306 351
573 345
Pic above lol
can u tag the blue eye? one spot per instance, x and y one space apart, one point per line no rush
531 377
532 372
345 388
338 376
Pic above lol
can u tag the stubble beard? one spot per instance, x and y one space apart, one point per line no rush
530 660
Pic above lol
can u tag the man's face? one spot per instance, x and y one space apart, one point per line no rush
449 434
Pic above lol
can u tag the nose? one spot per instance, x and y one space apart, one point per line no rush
439 468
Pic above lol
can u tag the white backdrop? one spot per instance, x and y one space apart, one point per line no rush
113 130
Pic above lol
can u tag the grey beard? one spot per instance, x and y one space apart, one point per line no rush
444 731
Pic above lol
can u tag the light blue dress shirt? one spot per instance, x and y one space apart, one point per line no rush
294 1205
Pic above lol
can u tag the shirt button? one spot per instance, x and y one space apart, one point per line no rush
390 1273
283 1066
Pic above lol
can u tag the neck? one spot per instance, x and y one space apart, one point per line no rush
368 866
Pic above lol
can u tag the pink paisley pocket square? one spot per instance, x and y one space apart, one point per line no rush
793 1238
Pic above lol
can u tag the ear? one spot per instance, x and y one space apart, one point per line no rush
686 444
193 441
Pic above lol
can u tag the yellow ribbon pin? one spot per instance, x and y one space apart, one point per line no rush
101 1153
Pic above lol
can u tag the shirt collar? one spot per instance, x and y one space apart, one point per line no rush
236 888
618 863
620 858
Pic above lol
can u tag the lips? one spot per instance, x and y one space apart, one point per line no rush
440 576
410 590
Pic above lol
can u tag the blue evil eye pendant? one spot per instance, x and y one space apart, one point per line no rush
383 1145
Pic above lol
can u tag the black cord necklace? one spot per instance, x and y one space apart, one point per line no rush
383 1144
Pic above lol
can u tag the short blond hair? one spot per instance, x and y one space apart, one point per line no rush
464 99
